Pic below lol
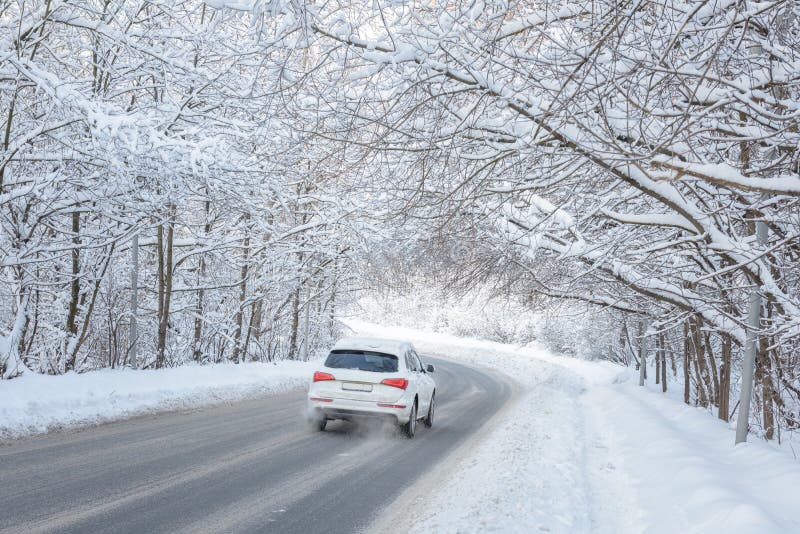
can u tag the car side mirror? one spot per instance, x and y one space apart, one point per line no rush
430 368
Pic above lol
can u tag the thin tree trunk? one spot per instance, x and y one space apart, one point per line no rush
160 286
702 397
725 379
7 133
306 311
88 316
165 290
11 365
32 339
134 331
663 340
764 379
201 277
332 315
253 325
713 364
642 355
700 360
672 363
237 348
623 339
256 318
295 324
197 352
75 288
686 364
658 358
767 406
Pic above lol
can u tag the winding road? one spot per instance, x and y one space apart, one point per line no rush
252 466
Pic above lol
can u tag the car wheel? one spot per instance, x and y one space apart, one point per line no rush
429 418
410 428
319 424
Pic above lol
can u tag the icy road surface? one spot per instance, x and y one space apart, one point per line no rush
251 466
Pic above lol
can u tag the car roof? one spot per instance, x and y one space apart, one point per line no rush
394 347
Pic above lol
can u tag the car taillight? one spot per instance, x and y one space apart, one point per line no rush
401 383
319 376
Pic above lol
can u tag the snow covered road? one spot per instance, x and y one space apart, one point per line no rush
247 466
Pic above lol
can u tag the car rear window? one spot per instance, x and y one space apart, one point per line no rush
363 360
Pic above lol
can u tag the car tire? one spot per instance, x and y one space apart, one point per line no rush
429 418
320 424
410 428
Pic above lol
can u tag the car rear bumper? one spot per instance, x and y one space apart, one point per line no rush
351 409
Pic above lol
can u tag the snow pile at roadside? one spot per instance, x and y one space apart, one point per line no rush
584 449
686 471
36 403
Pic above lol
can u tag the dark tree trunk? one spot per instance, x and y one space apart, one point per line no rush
686 364
165 289
295 324
725 379
201 280
75 290
662 338
237 336
764 378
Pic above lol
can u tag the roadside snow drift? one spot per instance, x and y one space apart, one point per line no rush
36 403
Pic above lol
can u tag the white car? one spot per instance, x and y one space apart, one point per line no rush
366 377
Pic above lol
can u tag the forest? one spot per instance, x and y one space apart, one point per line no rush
215 181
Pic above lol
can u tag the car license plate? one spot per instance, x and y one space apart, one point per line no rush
355 386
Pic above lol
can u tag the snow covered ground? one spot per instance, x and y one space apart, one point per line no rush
581 448
584 449
37 403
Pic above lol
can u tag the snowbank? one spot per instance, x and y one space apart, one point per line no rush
36 403
584 449
685 470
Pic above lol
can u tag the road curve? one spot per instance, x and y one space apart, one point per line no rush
252 466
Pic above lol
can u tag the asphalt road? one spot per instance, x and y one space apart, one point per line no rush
252 466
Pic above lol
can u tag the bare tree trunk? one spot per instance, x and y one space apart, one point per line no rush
257 318
642 354
623 338
702 396
254 325
658 358
712 361
165 287
725 379
7 135
295 324
35 329
237 336
686 364
90 309
707 387
197 353
75 288
160 286
11 364
332 313
306 311
759 229
134 333
662 339
764 378
672 361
